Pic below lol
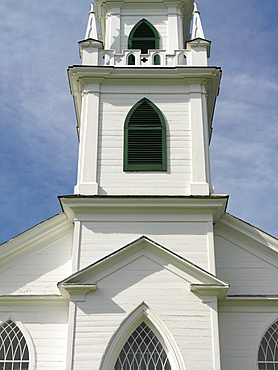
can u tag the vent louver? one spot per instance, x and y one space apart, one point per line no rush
145 148
143 36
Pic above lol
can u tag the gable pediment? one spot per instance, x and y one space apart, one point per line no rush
139 253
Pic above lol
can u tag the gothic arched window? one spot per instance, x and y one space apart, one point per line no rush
145 138
268 351
143 36
14 352
142 351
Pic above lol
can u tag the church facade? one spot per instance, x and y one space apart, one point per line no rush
143 269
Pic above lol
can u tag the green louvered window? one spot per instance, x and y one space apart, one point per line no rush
143 36
145 138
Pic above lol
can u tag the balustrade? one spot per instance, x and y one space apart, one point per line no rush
135 58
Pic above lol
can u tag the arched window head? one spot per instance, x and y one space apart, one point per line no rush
145 138
14 352
156 60
268 351
143 351
131 60
143 36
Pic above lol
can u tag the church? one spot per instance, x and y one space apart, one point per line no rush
143 269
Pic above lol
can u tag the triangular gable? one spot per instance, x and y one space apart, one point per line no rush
256 241
38 237
146 247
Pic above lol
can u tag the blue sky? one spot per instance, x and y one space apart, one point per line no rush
38 126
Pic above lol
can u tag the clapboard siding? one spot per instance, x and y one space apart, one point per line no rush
39 271
188 239
131 17
118 296
240 337
245 271
46 324
111 177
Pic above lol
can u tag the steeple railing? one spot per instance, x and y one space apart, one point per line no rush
135 58
93 53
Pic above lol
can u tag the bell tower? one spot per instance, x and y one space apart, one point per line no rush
143 209
144 97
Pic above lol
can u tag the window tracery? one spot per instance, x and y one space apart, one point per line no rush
268 351
14 353
142 351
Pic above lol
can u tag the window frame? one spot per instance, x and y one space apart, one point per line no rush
156 37
26 335
261 338
146 167
143 355
129 324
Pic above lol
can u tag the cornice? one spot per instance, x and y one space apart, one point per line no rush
234 230
82 75
78 72
249 303
248 229
76 205
26 299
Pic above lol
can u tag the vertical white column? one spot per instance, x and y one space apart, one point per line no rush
113 29
173 29
211 249
215 335
212 302
181 44
76 246
88 146
206 138
199 182
71 335
107 39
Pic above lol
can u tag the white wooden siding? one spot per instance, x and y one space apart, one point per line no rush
245 271
111 177
240 334
185 316
38 271
157 17
46 324
188 239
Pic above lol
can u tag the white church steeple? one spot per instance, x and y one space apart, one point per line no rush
144 99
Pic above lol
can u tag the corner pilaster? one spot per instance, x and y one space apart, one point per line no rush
88 148
200 177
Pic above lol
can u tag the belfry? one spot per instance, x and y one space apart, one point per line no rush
143 269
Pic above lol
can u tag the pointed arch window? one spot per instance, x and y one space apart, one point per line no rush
145 138
142 351
14 352
268 351
143 36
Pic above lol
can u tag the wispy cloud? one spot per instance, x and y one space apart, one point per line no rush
38 137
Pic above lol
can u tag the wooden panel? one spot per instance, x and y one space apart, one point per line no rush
239 335
39 271
244 271
188 239
171 301
113 111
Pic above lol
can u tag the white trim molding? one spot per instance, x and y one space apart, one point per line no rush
142 313
31 348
